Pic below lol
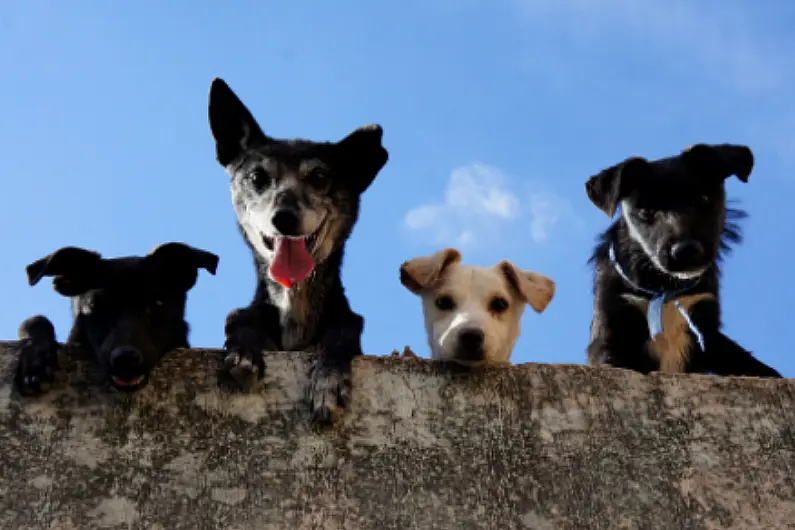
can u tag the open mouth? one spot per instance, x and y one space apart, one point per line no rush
292 261
688 274
128 384
309 241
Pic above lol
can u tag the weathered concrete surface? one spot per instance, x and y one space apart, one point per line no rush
423 446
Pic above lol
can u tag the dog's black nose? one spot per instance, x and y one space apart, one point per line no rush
470 345
687 253
125 358
286 222
471 339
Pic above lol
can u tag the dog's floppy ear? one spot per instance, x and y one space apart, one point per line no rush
421 273
723 159
178 264
76 270
363 155
608 187
231 123
536 289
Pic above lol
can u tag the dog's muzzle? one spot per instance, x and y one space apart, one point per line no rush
287 222
686 255
470 345
127 368
292 261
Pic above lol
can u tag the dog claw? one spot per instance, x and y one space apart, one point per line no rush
329 394
36 369
246 368
231 360
246 364
344 394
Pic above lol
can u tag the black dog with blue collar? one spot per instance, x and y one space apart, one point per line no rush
665 249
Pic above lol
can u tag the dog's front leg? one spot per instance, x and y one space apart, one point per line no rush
620 353
618 339
247 340
330 381
38 356
619 331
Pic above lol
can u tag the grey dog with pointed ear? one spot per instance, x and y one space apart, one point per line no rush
657 296
129 311
296 203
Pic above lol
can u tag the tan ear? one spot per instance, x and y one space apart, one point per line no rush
536 289
422 272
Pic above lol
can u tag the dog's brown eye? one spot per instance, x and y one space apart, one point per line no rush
317 177
444 303
259 177
499 305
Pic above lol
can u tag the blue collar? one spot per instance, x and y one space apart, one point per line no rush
658 299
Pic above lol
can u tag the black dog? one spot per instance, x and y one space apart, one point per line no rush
296 203
657 305
129 311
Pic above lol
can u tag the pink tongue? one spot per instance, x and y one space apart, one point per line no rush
292 263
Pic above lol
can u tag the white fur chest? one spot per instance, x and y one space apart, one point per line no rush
297 328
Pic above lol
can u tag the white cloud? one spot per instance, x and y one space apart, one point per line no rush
481 190
479 206
423 216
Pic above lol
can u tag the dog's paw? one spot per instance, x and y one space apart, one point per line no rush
246 367
407 353
36 367
329 393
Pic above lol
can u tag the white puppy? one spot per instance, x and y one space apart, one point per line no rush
472 314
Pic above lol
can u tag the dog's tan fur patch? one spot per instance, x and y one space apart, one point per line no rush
671 347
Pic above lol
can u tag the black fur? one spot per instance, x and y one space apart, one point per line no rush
316 186
128 311
677 200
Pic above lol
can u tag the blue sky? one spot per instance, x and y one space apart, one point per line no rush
495 113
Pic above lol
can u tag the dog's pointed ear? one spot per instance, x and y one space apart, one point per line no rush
609 186
724 160
233 127
76 270
421 273
363 155
178 264
534 288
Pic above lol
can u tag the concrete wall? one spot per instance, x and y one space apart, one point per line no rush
423 446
